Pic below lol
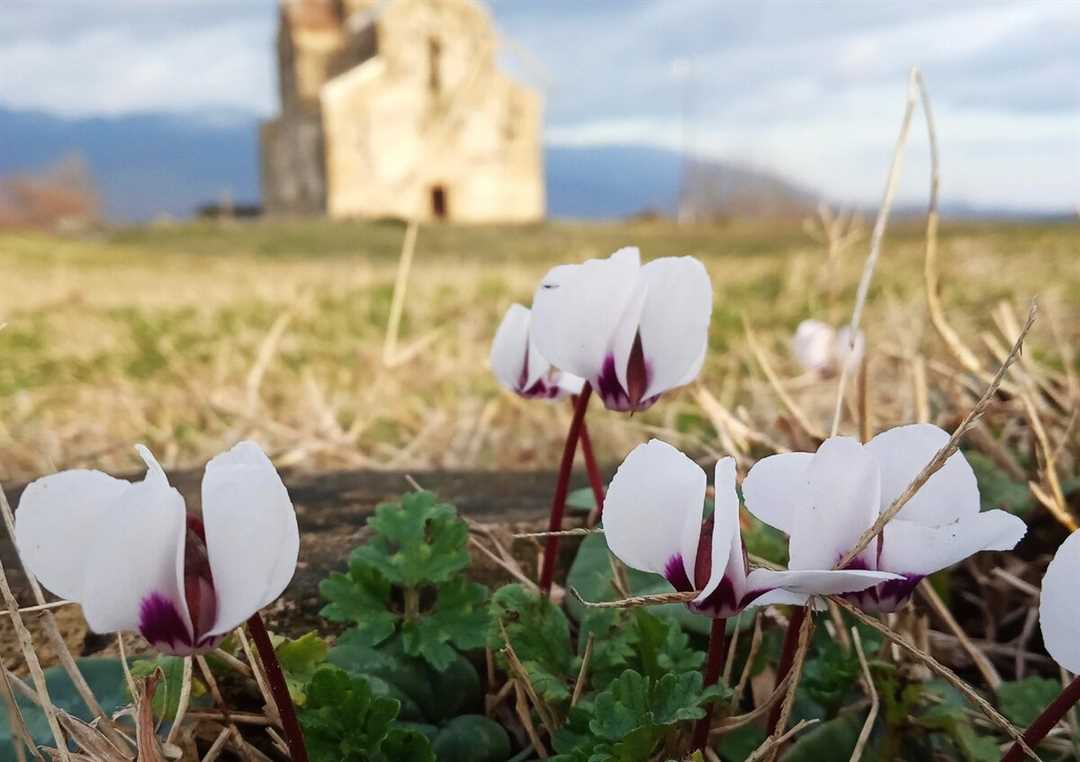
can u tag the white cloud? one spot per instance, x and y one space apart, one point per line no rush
814 90
201 68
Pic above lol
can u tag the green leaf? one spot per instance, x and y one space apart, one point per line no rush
471 738
996 489
950 712
417 541
106 680
590 575
574 740
677 654
615 645
623 707
425 693
634 713
1022 701
831 675
741 742
343 721
406 745
581 500
299 659
834 739
166 701
762 540
680 698
460 618
362 597
539 634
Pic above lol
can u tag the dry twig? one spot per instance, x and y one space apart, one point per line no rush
871 691
939 668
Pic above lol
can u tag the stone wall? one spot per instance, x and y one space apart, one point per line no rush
414 119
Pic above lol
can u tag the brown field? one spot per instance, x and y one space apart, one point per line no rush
189 337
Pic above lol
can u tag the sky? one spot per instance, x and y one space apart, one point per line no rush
811 89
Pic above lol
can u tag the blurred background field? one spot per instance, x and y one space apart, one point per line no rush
189 336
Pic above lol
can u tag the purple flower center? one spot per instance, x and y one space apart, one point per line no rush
542 388
886 596
721 602
638 374
675 573
161 623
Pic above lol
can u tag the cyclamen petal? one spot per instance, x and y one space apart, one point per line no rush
577 309
778 488
813 345
848 485
1059 610
652 521
726 562
674 321
844 490
653 509
243 497
902 452
519 365
140 562
134 570
820 348
633 332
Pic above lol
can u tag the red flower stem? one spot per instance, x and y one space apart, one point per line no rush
713 667
294 737
1046 721
596 481
558 501
787 657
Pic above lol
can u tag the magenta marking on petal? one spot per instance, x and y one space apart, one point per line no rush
541 389
161 624
721 602
613 394
894 592
609 388
675 572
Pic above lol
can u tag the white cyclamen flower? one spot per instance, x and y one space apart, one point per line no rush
1059 606
633 332
135 560
653 522
518 364
820 348
825 500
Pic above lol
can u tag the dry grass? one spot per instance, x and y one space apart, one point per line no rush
190 337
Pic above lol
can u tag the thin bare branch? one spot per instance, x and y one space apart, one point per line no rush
876 238
871 692
636 601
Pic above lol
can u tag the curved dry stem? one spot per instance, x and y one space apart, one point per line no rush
871 691
876 237
952 340
733 723
637 601
789 698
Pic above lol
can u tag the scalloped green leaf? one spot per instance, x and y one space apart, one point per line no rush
417 541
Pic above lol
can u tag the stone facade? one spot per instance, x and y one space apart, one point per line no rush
397 108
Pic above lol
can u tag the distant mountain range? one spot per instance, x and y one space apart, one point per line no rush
146 166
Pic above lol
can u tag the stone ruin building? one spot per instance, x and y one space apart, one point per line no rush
397 108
